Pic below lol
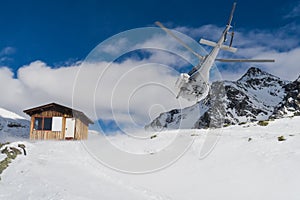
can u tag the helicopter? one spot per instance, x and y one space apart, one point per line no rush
194 85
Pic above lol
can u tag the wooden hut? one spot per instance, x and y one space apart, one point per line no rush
57 122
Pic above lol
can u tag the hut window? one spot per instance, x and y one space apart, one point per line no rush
38 123
43 123
47 124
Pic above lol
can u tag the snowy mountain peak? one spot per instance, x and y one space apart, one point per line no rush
8 114
298 79
255 96
254 72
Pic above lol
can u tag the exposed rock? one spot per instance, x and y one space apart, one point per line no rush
254 97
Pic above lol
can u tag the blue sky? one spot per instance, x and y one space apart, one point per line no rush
62 32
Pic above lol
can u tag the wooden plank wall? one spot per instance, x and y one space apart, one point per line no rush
81 129
48 135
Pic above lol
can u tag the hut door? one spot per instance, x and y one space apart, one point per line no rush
70 128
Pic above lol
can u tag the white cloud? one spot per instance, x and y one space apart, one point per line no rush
13 92
295 12
5 55
135 86
116 47
126 91
55 83
131 86
36 84
287 65
7 51
209 31
167 44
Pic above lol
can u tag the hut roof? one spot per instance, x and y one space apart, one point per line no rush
60 108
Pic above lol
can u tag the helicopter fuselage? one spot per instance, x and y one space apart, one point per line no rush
194 86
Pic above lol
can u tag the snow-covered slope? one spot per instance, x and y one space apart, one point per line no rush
290 105
248 162
253 97
12 126
8 114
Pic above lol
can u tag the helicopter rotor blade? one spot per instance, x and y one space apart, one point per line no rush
244 60
231 14
178 40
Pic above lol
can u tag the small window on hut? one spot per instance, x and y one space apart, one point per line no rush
47 124
41 123
38 123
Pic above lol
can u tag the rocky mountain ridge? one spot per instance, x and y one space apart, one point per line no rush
256 96
12 126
